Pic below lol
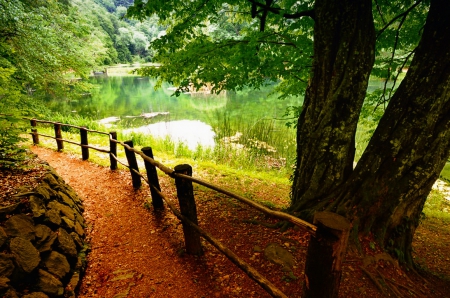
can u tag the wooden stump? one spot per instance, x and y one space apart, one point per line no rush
325 254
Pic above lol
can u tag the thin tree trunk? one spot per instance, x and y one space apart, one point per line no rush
344 40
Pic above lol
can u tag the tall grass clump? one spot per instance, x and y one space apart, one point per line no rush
261 144
77 120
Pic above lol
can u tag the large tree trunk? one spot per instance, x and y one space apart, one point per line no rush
385 194
344 41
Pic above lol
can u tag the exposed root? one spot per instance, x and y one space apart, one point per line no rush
375 281
392 287
405 287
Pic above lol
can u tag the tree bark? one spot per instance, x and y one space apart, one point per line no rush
385 194
344 43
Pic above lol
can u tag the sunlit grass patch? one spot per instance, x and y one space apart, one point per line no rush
437 206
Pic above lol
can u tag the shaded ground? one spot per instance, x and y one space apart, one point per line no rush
136 252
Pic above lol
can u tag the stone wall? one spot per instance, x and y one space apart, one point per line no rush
42 247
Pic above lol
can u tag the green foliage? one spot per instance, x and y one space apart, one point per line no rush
437 206
221 44
43 45
11 153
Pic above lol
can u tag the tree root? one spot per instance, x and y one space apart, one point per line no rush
392 287
405 287
375 281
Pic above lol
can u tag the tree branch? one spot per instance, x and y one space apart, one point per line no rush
403 14
379 12
297 15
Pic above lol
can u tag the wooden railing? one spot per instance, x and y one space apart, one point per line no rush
329 233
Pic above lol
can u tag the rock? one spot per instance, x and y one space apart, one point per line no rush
67 223
3 237
257 249
64 209
20 226
45 191
6 265
73 283
51 181
8 209
25 254
11 293
57 264
49 284
4 283
35 295
77 239
279 255
66 199
66 243
42 232
37 206
53 217
45 238
79 229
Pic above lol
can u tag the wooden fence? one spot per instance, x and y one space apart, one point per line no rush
329 231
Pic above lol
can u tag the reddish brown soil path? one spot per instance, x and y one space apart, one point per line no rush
136 252
127 258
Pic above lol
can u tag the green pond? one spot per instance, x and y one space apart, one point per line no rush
133 103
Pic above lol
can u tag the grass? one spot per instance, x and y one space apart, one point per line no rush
437 206
445 174
237 161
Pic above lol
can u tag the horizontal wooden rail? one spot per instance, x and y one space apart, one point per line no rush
277 214
244 266
118 160
329 233
168 171
72 142
69 125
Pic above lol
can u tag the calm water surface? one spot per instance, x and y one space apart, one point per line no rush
189 118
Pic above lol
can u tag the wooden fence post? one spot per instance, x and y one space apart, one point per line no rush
113 150
34 133
152 177
132 163
58 136
326 251
84 141
185 193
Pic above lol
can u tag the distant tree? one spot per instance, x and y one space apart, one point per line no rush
43 45
326 50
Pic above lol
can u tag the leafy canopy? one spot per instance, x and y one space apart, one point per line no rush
240 43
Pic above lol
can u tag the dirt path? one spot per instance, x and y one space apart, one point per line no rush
136 252
128 258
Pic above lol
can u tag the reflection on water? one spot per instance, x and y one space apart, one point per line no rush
190 132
